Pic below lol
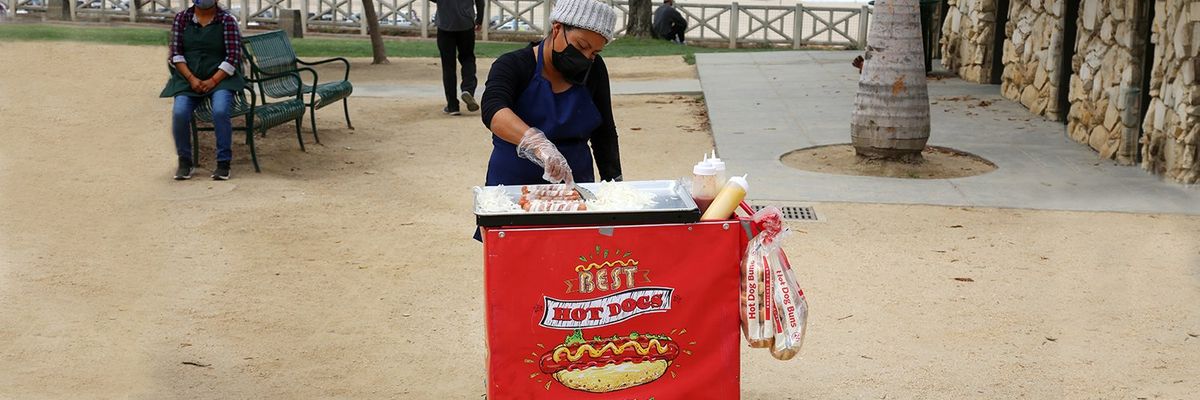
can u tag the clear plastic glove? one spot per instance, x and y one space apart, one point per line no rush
536 147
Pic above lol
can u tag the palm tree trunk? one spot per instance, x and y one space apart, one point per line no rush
891 110
378 51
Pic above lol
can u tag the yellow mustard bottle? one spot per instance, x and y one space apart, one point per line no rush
727 199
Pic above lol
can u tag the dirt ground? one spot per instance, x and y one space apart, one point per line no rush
840 159
348 271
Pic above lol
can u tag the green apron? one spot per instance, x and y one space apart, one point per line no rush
204 50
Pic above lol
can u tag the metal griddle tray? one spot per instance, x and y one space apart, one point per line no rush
672 204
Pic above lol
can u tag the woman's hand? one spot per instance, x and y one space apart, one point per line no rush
207 85
536 147
195 82
211 83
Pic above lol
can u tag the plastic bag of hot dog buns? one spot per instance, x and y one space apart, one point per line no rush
774 313
757 325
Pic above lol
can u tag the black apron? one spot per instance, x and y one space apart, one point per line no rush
204 50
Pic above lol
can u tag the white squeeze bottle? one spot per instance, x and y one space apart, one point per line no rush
718 165
704 184
727 200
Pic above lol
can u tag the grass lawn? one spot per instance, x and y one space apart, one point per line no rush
329 46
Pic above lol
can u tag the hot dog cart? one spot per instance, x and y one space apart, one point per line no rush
613 305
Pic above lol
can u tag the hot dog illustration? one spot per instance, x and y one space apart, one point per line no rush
609 364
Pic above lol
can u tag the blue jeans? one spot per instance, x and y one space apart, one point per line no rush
181 123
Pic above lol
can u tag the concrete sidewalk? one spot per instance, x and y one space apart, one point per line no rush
765 104
619 87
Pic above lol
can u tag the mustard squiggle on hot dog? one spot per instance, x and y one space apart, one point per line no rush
652 344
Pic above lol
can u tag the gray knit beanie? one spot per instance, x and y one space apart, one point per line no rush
587 14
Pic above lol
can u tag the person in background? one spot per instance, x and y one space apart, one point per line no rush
457 21
669 24
205 50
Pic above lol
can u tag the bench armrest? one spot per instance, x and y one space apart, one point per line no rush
312 98
329 60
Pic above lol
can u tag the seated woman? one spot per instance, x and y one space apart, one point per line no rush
206 48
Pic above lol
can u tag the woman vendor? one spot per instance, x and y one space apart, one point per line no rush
546 102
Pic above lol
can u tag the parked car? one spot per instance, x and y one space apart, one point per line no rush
328 16
31 3
101 4
514 24
236 11
398 20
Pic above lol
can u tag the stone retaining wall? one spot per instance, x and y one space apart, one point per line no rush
1105 88
1032 55
967 39
1106 81
1171 144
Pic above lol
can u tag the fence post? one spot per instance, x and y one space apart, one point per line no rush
863 24
548 5
133 10
487 18
304 17
363 19
798 33
425 18
56 10
244 14
290 22
71 6
734 15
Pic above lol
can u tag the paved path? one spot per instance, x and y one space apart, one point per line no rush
763 105
434 91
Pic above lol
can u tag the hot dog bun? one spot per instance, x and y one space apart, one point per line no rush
783 354
612 377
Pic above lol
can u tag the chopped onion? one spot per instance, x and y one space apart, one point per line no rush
493 199
620 196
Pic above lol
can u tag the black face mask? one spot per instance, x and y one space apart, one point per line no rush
571 63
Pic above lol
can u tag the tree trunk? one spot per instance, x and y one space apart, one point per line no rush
639 19
378 51
891 110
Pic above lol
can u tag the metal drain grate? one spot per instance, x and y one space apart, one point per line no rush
798 213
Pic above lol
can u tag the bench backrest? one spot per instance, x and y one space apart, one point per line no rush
269 54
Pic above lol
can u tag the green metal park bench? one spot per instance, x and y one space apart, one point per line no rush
272 54
259 115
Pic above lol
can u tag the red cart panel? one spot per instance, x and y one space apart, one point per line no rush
627 312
